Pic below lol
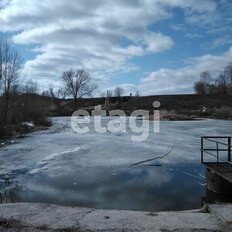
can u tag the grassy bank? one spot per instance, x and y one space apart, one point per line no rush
34 109
173 107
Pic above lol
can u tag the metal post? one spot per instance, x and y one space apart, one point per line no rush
202 150
217 157
229 149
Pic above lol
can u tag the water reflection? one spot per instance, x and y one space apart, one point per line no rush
148 188
7 192
145 187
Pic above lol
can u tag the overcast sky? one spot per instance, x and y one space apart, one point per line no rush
154 46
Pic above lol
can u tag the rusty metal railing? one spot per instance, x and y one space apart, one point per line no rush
220 144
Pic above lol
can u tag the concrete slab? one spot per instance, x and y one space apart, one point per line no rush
53 218
141 221
223 212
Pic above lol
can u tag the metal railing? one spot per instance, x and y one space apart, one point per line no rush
221 144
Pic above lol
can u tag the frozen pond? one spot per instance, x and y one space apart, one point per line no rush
93 170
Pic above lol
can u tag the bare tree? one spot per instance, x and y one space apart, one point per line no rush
31 87
228 73
199 87
10 64
62 93
53 94
222 83
78 84
202 86
46 93
16 89
118 92
137 94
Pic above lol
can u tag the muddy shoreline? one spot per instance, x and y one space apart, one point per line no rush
7 140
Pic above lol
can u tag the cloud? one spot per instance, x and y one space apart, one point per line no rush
156 42
196 12
177 27
224 40
88 34
196 5
193 35
181 80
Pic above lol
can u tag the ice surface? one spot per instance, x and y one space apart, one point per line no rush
65 156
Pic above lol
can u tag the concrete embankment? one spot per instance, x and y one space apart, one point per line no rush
45 217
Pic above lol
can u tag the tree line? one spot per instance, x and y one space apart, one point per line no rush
219 85
23 102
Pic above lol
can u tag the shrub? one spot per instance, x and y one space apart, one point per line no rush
223 113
